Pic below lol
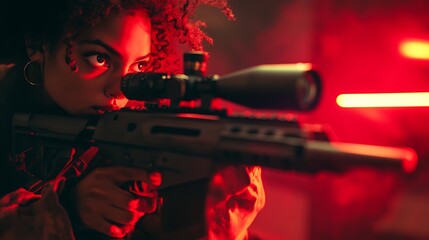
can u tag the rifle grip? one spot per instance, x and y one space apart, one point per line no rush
148 205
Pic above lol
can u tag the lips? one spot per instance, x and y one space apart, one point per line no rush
103 109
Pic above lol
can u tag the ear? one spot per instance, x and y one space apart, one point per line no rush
35 50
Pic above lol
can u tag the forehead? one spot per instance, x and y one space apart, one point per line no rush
124 32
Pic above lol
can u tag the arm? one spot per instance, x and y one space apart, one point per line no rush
235 197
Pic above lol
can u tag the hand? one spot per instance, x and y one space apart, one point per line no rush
16 198
103 206
25 215
235 197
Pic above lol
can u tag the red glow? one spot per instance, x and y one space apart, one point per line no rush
410 161
121 102
416 49
116 231
410 99
198 116
407 156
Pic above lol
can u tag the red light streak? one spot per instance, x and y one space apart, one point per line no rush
405 99
416 49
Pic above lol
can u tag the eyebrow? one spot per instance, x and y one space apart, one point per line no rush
111 49
102 44
144 58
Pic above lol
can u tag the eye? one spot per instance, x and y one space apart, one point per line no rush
138 66
98 60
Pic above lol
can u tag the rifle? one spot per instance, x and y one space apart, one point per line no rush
188 144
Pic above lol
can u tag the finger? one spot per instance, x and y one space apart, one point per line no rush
144 205
127 229
104 226
27 199
119 198
26 196
141 189
155 178
127 201
122 217
19 196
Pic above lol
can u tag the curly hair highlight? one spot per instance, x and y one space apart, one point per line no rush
50 20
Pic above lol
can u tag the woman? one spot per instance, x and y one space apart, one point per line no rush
68 57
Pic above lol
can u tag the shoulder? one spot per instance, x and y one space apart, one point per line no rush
4 69
8 78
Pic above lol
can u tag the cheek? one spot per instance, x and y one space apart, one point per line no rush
70 90
75 92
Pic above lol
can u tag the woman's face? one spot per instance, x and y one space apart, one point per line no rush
103 54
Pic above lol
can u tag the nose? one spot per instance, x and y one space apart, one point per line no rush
116 98
114 93
113 90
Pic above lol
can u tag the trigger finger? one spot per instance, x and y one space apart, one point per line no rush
141 189
144 205
102 225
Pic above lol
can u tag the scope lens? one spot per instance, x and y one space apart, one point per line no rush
307 90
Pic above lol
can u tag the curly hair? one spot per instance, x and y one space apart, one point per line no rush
50 20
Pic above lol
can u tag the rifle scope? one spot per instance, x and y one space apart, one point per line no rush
275 86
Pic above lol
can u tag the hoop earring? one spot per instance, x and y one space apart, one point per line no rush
36 73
